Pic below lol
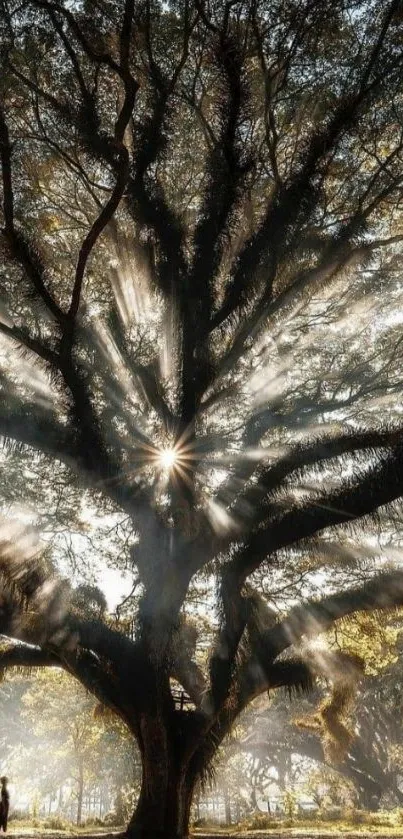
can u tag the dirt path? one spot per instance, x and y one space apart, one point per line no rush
291 833
299 833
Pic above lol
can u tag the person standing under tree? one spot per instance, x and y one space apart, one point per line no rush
4 803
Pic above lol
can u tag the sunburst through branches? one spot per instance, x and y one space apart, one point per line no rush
174 461
168 458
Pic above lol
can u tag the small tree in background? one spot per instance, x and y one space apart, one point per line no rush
201 235
63 749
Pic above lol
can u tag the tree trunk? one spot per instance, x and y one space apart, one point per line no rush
163 808
369 796
227 806
162 812
80 791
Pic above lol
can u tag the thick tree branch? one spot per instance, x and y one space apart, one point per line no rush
191 677
253 679
385 591
260 672
25 655
340 255
38 348
380 486
84 666
225 170
97 228
247 510
101 639
122 165
27 423
90 671
148 203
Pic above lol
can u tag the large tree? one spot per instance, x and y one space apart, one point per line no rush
200 321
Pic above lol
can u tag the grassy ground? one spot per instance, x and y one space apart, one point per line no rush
306 834
360 825
37 828
104 833
339 830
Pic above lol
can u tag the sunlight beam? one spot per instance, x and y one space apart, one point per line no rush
168 458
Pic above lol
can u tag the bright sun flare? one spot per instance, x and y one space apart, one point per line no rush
168 458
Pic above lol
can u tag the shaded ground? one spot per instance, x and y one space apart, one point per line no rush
220 833
35 832
397 833
342 831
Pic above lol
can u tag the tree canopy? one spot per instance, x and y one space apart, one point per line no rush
200 323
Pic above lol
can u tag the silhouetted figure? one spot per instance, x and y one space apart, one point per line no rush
4 803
